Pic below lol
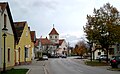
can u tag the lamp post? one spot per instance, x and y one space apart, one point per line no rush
4 36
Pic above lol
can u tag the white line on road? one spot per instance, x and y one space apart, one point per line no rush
45 70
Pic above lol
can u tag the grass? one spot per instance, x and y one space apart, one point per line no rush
96 63
114 69
16 71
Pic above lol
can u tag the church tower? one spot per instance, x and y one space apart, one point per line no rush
54 36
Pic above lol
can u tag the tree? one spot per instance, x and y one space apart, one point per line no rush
103 27
80 48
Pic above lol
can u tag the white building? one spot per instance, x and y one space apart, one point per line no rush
54 45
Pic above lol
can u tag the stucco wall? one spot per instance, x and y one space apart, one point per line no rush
25 41
53 39
9 41
0 41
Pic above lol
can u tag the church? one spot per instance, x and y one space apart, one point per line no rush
53 45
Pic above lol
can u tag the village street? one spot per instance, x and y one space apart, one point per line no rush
65 66
71 66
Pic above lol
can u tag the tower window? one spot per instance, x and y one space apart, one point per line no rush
55 36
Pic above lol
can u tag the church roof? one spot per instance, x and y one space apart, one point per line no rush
45 41
53 32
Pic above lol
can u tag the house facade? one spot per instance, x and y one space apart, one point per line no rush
6 21
117 49
62 49
53 46
23 50
37 47
98 50
33 38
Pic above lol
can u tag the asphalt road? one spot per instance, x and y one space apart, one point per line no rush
68 66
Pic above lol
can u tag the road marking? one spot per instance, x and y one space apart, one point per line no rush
45 70
80 70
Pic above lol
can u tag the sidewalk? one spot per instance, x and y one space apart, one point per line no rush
36 67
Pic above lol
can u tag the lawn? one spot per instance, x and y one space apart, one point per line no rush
16 71
96 63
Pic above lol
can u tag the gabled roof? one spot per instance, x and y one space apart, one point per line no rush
5 5
61 41
53 32
37 42
33 36
45 41
19 27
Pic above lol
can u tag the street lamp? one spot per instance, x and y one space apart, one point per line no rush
4 36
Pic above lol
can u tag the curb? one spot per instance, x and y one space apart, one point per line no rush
28 71
113 69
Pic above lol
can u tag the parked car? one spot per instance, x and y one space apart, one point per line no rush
102 57
115 62
45 57
64 56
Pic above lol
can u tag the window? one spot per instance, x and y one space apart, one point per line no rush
99 53
55 40
8 54
55 36
5 20
26 52
51 37
111 51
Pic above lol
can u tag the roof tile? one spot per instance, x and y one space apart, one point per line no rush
53 32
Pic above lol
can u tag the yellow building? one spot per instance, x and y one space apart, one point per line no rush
23 50
6 21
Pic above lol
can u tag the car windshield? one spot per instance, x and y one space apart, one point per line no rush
118 57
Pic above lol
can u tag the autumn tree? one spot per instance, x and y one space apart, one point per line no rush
103 27
80 48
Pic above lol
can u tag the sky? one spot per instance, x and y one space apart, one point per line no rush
68 16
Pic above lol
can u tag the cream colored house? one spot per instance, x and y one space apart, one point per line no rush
23 50
62 49
6 21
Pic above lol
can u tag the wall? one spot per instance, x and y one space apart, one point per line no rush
96 53
25 41
0 41
53 39
9 41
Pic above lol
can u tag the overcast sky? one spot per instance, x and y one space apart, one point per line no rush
68 16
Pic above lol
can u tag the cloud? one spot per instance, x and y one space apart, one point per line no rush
69 16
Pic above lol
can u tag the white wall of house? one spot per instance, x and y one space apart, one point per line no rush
54 38
96 53
62 47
